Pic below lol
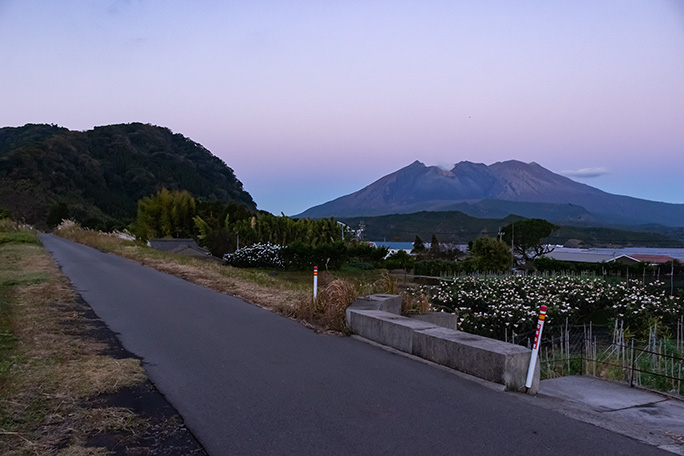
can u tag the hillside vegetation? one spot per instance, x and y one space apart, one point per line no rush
460 228
49 173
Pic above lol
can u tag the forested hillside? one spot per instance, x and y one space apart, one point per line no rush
97 177
459 228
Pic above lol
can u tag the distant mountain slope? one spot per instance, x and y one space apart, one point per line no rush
495 191
100 174
452 226
460 228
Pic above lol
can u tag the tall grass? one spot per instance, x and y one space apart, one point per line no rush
328 311
596 350
415 302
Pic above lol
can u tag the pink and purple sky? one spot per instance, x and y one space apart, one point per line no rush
310 100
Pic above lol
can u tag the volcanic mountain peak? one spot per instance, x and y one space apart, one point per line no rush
508 187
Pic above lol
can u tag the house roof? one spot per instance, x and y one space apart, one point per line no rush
580 257
179 246
594 257
651 259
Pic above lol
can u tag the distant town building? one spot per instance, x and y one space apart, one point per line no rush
589 256
653 260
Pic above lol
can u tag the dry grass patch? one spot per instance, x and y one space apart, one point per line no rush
115 419
328 311
50 371
414 303
258 287
78 450
91 376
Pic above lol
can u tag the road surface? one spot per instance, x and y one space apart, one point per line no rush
250 382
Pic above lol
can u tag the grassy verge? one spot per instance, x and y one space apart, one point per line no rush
286 292
50 371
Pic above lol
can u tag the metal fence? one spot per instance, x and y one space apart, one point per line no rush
613 353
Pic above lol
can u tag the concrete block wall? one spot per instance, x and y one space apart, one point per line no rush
378 318
443 319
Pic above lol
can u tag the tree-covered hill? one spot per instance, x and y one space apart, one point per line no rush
457 227
98 176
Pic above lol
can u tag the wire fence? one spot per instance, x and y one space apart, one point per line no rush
613 353
672 284
610 352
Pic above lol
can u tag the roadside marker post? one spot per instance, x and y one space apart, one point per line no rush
535 348
315 283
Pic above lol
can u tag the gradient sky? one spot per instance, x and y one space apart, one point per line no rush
311 100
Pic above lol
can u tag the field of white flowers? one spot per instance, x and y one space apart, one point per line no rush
496 307
265 255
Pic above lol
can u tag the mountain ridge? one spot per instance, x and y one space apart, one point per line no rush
100 174
497 190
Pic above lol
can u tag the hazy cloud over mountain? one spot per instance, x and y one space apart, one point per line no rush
586 172
308 100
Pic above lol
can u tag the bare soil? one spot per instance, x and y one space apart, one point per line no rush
67 386
163 432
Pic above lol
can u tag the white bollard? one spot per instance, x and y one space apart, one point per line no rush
535 348
315 283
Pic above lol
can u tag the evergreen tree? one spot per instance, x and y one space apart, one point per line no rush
418 246
434 247
526 237
490 255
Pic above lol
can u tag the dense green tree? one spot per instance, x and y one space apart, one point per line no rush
302 256
101 174
526 237
363 252
418 245
399 260
434 247
59 212
213 225
265 227
489 254
166 214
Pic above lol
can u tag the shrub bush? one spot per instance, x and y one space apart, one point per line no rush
257 256
489 306
302 256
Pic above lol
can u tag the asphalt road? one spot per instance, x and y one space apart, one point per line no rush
250 382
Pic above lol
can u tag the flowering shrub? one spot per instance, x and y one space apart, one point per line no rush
490 306
258 255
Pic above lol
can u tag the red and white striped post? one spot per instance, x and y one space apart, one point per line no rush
535 348
315 283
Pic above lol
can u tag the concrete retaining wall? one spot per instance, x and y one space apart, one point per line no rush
377 318
443 319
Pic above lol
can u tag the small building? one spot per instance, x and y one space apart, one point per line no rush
591 256
652 260
186 247
582 256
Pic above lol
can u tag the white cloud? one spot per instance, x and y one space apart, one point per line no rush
586 172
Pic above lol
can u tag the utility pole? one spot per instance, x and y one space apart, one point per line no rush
512 235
